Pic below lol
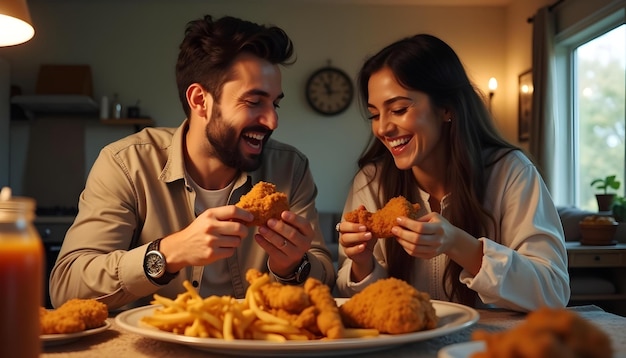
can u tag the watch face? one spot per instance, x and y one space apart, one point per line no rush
155 264
303 271
329 91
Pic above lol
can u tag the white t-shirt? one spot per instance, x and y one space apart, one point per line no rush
215 276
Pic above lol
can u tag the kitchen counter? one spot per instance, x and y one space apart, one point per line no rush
116 342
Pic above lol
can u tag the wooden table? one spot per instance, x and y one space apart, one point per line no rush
118 343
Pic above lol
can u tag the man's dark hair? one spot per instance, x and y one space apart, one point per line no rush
209 48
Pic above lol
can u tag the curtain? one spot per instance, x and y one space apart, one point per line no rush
543 120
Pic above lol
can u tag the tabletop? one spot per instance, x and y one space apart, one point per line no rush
116 342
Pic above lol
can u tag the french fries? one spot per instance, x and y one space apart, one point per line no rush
230 319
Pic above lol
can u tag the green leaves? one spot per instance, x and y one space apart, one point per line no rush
606 183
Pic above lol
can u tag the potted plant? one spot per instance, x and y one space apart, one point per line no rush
619 208
605 199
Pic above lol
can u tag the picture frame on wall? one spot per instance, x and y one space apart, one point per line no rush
525 105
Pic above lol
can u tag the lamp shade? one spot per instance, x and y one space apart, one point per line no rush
15 23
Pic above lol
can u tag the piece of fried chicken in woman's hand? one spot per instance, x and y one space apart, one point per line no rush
264 202
379 223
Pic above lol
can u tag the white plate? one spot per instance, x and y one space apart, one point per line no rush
461 350
63 338
452 317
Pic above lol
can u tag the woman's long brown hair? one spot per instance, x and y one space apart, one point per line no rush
427 64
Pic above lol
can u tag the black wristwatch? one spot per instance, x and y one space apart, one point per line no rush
299 276
154 265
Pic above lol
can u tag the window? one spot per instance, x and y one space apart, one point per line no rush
599 82
592 65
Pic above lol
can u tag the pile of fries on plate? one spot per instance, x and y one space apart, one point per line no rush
270 311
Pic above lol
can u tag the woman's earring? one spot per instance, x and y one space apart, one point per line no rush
450 119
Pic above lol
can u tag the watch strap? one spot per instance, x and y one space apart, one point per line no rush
167 276
298 276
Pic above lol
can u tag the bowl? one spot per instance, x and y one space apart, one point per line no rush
598 233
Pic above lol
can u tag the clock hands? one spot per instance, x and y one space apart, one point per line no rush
329 91
329 88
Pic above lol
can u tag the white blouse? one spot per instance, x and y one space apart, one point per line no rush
526 270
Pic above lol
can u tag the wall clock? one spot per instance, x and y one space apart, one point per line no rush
329 91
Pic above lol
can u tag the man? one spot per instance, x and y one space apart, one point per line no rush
157 208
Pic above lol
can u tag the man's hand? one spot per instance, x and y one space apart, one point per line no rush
286 241
213 235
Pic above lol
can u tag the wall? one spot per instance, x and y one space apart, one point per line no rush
131 47
518 56
5 73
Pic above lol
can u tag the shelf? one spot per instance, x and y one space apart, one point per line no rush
146 122
56 103
139 123
59 104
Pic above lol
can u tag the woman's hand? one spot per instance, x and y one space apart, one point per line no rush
358 246
433 235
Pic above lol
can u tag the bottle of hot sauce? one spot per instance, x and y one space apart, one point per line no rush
21 277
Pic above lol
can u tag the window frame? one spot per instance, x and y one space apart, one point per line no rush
566 152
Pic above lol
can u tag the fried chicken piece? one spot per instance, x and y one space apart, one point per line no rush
307 319
92 312
288 302
391 306
53 322
252 274
328 320
547 332
74 315
292 299
381 221
275 295
264 202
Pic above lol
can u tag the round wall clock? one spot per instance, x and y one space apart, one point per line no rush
329 91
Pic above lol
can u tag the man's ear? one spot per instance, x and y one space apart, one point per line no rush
200 101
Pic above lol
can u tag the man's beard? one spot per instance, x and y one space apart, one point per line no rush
224 144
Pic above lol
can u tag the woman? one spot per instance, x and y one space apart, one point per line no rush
488 232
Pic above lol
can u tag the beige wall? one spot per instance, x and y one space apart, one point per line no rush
5 73
131 47
518 59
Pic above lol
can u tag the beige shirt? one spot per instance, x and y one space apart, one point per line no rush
137 192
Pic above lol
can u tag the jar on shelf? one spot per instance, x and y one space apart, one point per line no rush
21 277
116 107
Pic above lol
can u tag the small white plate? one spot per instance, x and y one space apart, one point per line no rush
63 338
461 350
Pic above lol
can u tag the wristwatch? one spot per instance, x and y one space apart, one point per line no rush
299 276
154 264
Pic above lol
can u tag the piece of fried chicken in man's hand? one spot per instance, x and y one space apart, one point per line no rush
379 223
264 202
391 306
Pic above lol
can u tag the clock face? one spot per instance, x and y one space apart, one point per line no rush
329 91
